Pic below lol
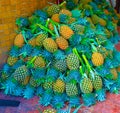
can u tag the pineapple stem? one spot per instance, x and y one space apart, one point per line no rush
31 61
46 29
77 54
94 49
87 63
56 31
47 22
23 34
76 110
60 5
81 71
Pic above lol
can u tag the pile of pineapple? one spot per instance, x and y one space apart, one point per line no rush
63 53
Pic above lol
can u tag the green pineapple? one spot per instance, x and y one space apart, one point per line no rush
53 9
21 74
86 85
33 82
48 84
72 61
60 65
97 82
71 89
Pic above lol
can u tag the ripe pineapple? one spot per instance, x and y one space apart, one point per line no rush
66 31
21 75
72 61
86 85
60 65
114 73
13 56
97 59
50 110
40 38
12 60
50 45
32 42
71 89
97 82
50 26
65 12
53 9
55 18
39 62
59 86
19 40
62 43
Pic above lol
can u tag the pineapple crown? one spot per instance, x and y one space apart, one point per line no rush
52 72
22 22
76 13
46 98
74 101
82 21
18 64
68 51
25 50
115 39
90 33
58 101
101 95
108 63
88 99
70 4
103 71
47 55
73 76
94 6
63 18
38 73
41 13
6 68
110 26
14 51
18 91
35 52
74 40
28 92
9 86
59 54
39 91
28 34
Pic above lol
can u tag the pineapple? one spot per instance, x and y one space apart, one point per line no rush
12 60
50 110
13 56
33 82
97 59
114 73
50 45
40 38
55 18
62 43
53 9
86 85
39 62
19 40
61 65
72 61
71 89
32 42
59 86
21 75
50 26
97 82
4 75
48 84
65 12
66 31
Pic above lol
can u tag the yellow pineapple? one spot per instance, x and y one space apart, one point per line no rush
62 43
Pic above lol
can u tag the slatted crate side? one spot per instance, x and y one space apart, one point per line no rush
9 11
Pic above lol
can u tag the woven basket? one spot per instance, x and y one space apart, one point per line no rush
9 11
